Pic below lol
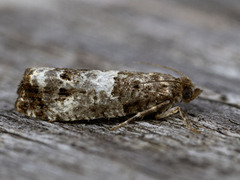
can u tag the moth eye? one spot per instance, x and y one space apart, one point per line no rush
187 93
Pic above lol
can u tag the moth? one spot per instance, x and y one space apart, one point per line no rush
60 94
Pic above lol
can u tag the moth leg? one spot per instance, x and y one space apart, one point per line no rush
173 111
52 120
160 107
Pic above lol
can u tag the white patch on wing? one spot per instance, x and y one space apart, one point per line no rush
100 81
39 75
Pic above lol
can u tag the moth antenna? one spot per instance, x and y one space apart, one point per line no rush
165 67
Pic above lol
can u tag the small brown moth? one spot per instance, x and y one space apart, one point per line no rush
60 94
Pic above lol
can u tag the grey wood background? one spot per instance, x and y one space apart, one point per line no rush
199 38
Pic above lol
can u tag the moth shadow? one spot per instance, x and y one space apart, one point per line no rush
113 121
101 121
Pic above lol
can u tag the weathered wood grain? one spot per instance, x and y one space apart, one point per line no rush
199 38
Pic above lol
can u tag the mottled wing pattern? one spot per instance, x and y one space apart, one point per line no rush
67 94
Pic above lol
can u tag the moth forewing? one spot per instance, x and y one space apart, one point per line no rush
182 89
60 94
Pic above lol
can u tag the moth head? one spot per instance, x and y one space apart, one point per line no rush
188 90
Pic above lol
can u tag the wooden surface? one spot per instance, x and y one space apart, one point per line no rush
199 38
